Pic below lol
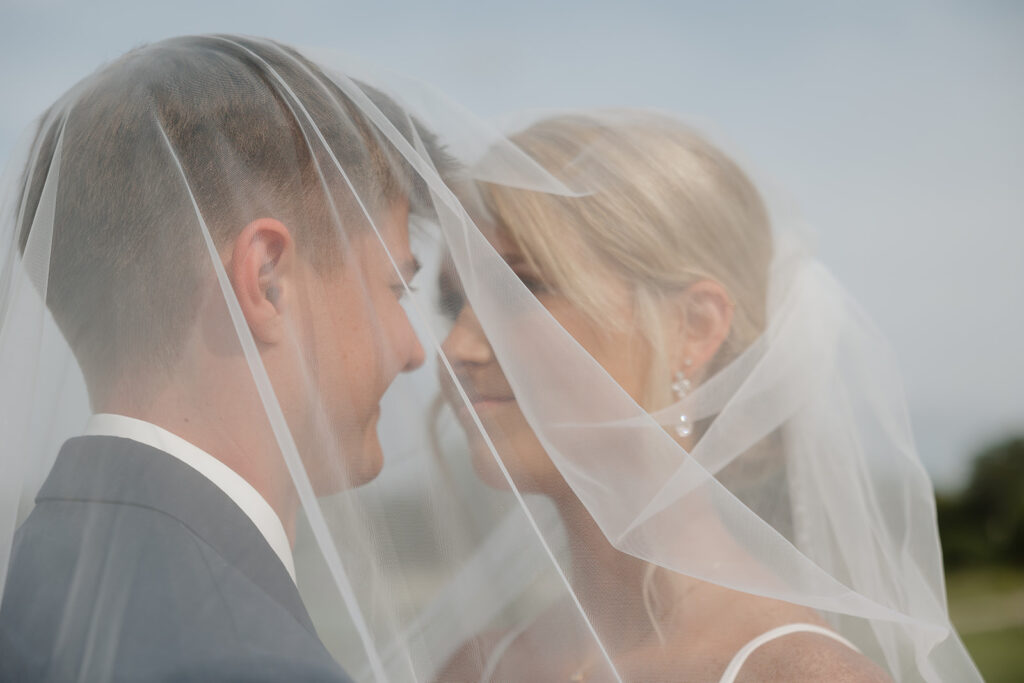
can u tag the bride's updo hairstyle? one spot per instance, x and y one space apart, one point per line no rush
662 208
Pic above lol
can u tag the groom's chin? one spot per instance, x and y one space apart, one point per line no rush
353 464
368 464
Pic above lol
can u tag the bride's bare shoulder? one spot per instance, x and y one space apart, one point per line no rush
809 657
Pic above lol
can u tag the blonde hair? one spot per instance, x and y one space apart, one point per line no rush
661 209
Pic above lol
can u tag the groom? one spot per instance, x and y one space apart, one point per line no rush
159 548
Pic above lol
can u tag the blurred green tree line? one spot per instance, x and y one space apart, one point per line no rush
983 524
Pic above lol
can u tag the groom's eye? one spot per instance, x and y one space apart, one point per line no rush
400 290
407 271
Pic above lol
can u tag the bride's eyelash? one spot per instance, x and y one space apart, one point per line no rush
533 283
450 301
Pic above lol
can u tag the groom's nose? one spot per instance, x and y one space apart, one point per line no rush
407 352
416 355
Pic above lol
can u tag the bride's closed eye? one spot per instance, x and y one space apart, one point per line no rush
532 282
450 297
450 301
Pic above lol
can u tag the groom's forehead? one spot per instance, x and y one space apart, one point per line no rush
383 240
393 232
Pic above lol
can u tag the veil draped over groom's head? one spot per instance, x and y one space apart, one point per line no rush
216 119
210 313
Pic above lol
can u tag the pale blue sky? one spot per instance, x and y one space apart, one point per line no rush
894 129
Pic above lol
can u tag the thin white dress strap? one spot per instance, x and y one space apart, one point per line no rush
499 651
737 662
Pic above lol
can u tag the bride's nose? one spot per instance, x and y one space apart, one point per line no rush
466 344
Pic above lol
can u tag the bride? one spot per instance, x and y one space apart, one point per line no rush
763 547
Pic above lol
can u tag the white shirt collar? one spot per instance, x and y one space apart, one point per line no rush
223 477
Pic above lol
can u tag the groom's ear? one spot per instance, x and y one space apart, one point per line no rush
261 270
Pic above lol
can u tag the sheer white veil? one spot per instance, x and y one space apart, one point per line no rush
804 484
120 281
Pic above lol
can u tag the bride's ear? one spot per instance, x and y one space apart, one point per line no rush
703 318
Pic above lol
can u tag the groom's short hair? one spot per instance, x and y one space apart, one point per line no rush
127 253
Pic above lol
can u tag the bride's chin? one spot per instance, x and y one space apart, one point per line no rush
530 476
489 472
508 437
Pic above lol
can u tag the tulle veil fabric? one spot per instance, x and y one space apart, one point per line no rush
400 569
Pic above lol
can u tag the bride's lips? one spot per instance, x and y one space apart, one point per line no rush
486 402
482 399
490 402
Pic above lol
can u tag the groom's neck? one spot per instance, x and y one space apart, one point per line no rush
229 434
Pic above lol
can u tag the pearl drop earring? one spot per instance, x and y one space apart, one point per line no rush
681 387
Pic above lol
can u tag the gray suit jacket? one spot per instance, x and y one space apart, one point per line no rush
134 567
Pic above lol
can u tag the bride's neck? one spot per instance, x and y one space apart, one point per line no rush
609 583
